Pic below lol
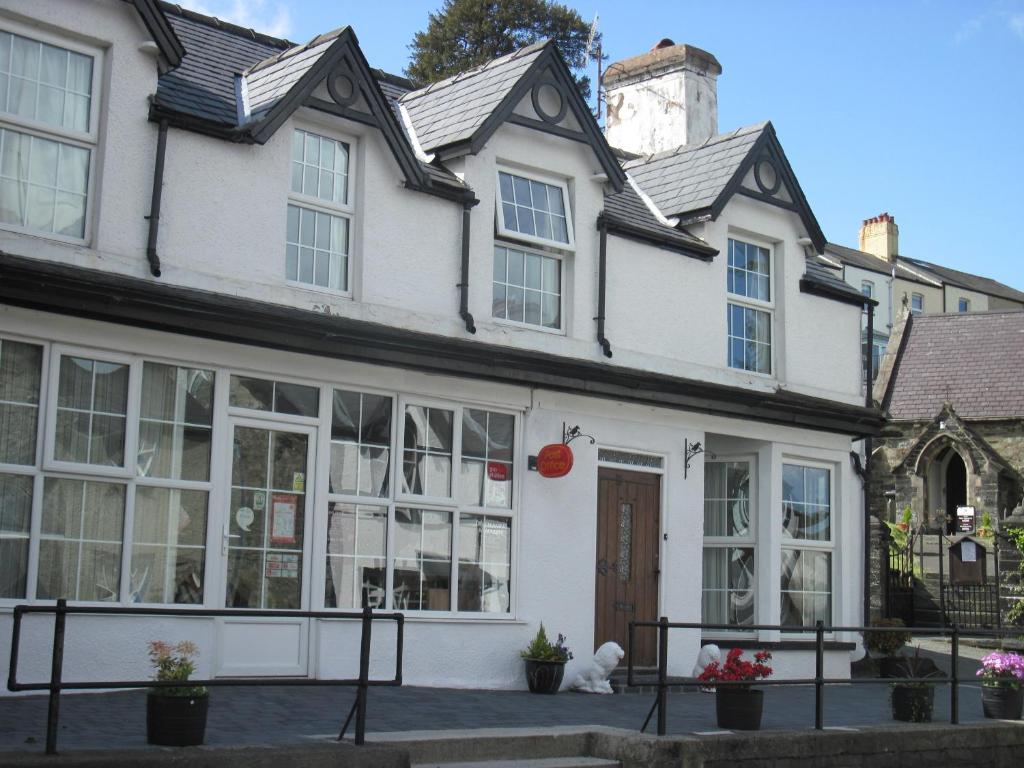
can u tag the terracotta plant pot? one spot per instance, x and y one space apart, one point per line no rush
176 721
1001 702
913 703
544 676
739 709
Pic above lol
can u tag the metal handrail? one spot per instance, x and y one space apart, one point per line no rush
56 683
819 681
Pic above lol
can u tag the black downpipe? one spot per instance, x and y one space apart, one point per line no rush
154 207
602 264
464 285
869 375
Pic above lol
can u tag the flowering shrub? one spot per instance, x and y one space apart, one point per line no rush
736 670
175 662
542 649
1002 668
886 642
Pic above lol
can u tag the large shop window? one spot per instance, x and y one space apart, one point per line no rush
319 213
729 541
47 135
451 547
110 529
750 307
807 545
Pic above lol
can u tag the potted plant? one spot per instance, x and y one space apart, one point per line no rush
738 706
985 529
1001 674
913 699
885 644
545 662
175 715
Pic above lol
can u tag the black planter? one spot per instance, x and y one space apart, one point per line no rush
1000 702
176 721
892 666
739 709
544 676
913 703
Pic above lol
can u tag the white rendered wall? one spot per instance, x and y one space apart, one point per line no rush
883 295
979 302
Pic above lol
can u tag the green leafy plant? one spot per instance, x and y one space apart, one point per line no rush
1015 615
886 642
174 662
915 686
542 649
899 532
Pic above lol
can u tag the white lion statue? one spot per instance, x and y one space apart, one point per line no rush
595 678
708 654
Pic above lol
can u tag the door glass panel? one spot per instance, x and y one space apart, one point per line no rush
267 519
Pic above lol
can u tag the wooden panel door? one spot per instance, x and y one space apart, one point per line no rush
628 512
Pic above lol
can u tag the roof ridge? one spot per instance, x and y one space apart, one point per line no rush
295 50
227 26
473 71
710 141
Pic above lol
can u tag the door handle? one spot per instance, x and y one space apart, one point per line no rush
227 536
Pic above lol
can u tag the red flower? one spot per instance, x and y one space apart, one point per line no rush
735 669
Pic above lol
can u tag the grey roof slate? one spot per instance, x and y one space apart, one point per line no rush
691 177
966 280
270 80
451 110
828 277
971 360
627 213
858 259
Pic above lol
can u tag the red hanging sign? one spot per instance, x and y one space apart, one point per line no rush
497 472
554 460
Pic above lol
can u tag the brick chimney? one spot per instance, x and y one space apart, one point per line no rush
880 237
662 99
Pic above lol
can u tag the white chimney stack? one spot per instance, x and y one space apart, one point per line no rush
662 99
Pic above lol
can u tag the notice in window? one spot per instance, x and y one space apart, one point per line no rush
281 565
968 552
282 525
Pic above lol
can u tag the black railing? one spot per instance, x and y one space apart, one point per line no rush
819 681
56 683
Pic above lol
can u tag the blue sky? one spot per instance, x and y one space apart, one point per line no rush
913 107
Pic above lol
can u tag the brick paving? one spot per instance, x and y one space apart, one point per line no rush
294 715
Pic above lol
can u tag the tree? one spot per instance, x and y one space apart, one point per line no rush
468 33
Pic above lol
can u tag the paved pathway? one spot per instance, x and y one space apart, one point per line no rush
290 715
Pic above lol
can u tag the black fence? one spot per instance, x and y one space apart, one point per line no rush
819 681
56 683
899 579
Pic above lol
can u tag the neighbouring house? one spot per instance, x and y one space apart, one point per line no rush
282 331
903 284
952 386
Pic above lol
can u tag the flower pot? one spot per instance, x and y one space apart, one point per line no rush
544 676
891 666
1001 702
913 703
739 709
176 721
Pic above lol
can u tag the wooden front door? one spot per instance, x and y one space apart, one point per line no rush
628 511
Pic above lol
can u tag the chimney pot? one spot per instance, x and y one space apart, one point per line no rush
665 42
879 236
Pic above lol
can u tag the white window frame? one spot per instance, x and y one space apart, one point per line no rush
510 234
561 329
88 140
751 303
828 547
343 210
920 309
737 542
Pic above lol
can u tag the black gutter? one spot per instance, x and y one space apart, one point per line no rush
464 284
154 206
111 297
869 375
602 275
629 232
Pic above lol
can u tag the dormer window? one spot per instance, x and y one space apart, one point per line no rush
48 129
319 213
534 211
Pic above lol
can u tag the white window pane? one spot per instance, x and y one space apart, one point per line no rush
499 264
69 215
76 112
521 188
515 267
551 280
5 51
74 169
485 553
533 271
25 57
169 546
21 99
13 196
79 73
50 108
551 311
298 141
505 185
39 212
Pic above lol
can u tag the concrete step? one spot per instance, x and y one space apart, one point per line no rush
488 745
543 762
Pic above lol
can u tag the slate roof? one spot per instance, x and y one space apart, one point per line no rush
628 215
859 259
270 80
966 280
971 360
828 280
691 177
451 110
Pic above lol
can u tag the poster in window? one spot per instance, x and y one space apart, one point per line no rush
282 523
281 565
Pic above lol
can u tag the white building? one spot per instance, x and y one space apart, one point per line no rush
277 331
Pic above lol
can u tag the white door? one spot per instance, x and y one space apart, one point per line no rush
266 548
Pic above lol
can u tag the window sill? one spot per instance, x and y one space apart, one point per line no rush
512 324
